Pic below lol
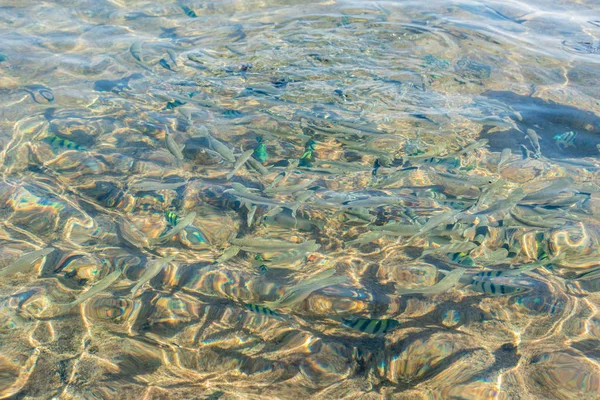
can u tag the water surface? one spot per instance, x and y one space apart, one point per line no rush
426 176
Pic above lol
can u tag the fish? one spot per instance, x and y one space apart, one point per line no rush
240 161
504 157
551 191
565 140
181 225
375 201
299 292
445 284
397 229
371 326
172 56
152 269
308 156
534 139
165 64
103 284
361 214
263 245
493 256
437 220
394 177
462 179
497 289
309 246
192 233
256 199
150 185
473 146
256 165
509 202
366 238
136 51
260 151
189 12
290 189
261 310
58 142
228 254
25 261
488 193
452 247
220 148
173 147
285 220
250 216
132 235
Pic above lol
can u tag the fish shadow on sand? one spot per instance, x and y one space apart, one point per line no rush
547 119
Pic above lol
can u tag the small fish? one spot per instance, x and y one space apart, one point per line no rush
181 225
290 189
462 259
103 284
132 235
172 146
308 156
228 254
450 280
165 64
372 326
398 229
171 105
149 185
261 310
299 292
453 247
565 140
504 157
136 51
366 238
309 246
172 56
488 193
260 151
257 166
58 142
25 261
250 216
220 148
498 289
556 187
240 161
263 245
478 144
152 269
189 12
255 199
534 139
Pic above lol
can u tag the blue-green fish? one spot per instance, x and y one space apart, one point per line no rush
189 12
308 156
261 310
191 232
565 140
57 142
260 151
372 326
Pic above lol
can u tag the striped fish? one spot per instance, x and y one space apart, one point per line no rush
261 310
191 232
171 217
497 289
189 12
57 142
372 326
565 140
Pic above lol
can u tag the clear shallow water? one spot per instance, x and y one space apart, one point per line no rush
398 116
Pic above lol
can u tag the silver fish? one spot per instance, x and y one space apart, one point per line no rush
150 185
551 191
307 247
103 284
132 235
250 216
181 225
136 51
256 165
445 284
473 146
298 293
534 139
453 247
504 157
151 270
290 189
173 147
256 199
240 161
398 229
228 254
220 148
25 261
263 245
366 238
488 193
